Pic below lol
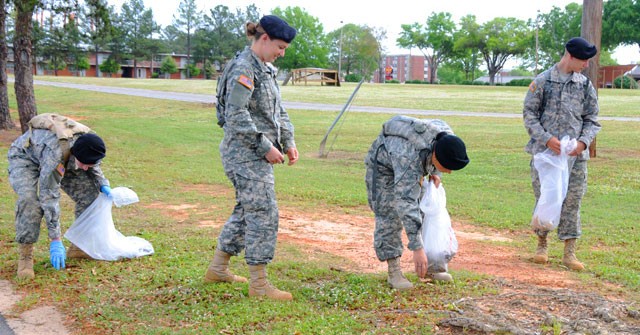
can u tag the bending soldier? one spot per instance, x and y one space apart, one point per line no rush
406 151
56 152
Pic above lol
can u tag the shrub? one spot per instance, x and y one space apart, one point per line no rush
353 78
624 82
519 82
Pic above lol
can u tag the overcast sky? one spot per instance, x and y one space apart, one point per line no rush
331 13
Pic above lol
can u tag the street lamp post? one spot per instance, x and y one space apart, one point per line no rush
537 45
340 54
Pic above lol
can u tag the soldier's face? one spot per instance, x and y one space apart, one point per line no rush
437 164
83 166
577 64
272 49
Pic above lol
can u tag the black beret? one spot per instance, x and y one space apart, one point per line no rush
277 28
89 149
451 151
579 48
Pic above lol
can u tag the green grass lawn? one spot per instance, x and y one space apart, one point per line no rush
495 99
167 152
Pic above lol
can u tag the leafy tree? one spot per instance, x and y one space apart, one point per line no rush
116 42
98 26
361 51
621 23
174 39
5 116
308 48
52 46
434 39
464 55
500 40
193 70
23 70
223 33
110 66
556 28
625 82
82 64
168 66
187 21
138 27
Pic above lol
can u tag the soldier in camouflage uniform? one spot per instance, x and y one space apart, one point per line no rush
406 151
257 135
56 152
563 102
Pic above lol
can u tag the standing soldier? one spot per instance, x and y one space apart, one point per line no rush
562 102
406 151
55 152
257 135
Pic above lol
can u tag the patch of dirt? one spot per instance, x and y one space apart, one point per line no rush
533 299
8 136
42 320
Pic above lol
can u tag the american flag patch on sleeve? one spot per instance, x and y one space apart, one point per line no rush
245 81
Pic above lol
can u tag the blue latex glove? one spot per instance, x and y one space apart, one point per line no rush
106 190
58 254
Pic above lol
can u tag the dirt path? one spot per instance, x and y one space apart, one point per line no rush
532 296
42 320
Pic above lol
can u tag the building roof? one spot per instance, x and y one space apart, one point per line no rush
634 73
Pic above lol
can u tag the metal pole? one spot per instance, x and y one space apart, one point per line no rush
340 53
344 109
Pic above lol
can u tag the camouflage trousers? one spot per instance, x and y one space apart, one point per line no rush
24 177
387 235
253 224
569 226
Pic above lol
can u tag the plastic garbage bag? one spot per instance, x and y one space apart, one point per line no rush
439 239
553 171
94 231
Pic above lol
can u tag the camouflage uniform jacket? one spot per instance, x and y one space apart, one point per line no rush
556 108
254 117
408 164
43 148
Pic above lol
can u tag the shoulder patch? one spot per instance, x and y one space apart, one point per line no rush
60 169
532 87
245 81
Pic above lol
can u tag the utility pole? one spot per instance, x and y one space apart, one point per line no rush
592 32
537 44
340 53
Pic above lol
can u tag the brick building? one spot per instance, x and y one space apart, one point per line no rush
402 68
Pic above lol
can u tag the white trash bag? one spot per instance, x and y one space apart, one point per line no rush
438 238
553 171
94 231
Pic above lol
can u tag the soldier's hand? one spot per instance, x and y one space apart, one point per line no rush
420 262
436 180
554 145
57 254
579 149
274 156
292 153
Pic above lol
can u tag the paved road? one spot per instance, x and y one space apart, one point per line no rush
4 327
210 99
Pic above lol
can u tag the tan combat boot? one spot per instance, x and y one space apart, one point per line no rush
25 261
218 270
396 279
541 256
259 286
75 252
441 277
569 258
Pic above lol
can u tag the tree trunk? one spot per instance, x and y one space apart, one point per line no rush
592 32
5 117
23 85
